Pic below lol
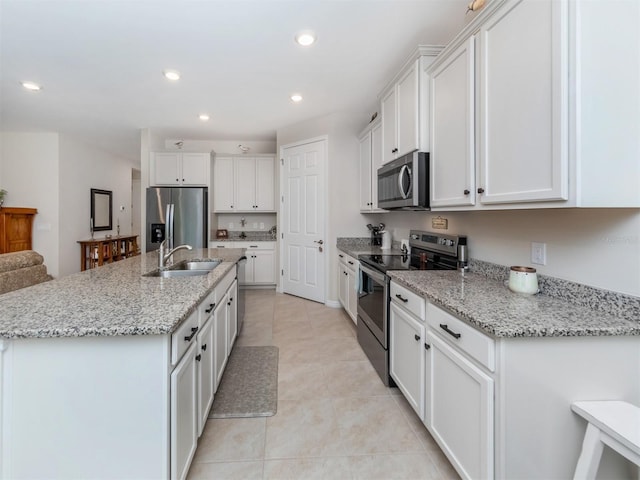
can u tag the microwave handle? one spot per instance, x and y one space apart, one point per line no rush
404 170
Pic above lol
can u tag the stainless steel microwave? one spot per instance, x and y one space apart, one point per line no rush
403 184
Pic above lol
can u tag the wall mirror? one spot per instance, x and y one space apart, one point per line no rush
101 209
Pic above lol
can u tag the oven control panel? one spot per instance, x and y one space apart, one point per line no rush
436 241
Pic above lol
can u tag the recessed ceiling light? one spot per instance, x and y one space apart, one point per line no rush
305 39
31 86
296 97
172 75
204 117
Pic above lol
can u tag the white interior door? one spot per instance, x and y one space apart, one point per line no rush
303 220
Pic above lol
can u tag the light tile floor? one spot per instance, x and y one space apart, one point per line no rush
335 419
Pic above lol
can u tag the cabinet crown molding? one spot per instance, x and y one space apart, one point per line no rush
420 51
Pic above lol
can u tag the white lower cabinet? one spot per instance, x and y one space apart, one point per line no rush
348 273
407 357
205 364
220 338
459 411
260 268
184 409
232 315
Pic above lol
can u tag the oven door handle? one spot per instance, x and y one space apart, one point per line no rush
377 276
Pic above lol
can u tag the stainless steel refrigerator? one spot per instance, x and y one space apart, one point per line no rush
179 214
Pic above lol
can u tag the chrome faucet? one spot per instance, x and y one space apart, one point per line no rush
163 258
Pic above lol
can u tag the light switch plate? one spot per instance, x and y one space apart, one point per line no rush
539 253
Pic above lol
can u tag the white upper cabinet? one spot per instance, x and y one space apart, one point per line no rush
452 129
370 161
523 103
177 168
244 184
554 109
223 185
404 105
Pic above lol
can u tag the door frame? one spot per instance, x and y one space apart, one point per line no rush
281 220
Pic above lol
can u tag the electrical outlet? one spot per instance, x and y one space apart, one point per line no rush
261 225
255 225
539 253
230 225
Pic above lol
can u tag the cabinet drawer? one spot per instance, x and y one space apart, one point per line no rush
255 245
206 307
225 283
408 300
471 341
221 245
348 261
183 337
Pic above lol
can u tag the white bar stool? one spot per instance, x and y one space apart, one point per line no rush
613 423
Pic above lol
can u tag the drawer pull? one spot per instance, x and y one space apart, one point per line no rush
405 300
350 262
210 309
427 346
194 330
446 329
204 347
417 337
340 255
198 357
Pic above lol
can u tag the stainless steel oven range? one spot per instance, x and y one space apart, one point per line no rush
429 251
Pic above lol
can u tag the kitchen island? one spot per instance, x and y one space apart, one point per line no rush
99 370
496 372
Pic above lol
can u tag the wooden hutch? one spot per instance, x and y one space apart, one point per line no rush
15 228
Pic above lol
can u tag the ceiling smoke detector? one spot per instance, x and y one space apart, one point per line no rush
243 149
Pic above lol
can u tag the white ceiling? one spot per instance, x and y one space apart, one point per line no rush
100 63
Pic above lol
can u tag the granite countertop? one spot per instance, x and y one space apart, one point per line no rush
114 299
362 246
490 306
234 236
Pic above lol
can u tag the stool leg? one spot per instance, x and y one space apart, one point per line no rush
587 466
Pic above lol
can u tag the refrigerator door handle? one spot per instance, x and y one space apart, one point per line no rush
169 227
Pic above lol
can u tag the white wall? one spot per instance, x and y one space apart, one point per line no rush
343 218
597 247
82 168
29 165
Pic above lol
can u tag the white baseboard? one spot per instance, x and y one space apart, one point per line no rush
333 304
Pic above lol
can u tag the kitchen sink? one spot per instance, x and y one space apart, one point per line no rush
199 265
176 273
185 269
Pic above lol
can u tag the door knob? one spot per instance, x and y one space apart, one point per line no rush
319 242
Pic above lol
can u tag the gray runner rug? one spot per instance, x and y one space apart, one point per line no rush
249 385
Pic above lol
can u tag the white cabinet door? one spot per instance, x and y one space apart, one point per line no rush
523 103
352 293
245 183
232 316
195 169
365 173
223 185
343 286
205 365
407 111
220 338
376 163
265 185
459 410
184 419
389 122
406 356
264 266
165 168
452 123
